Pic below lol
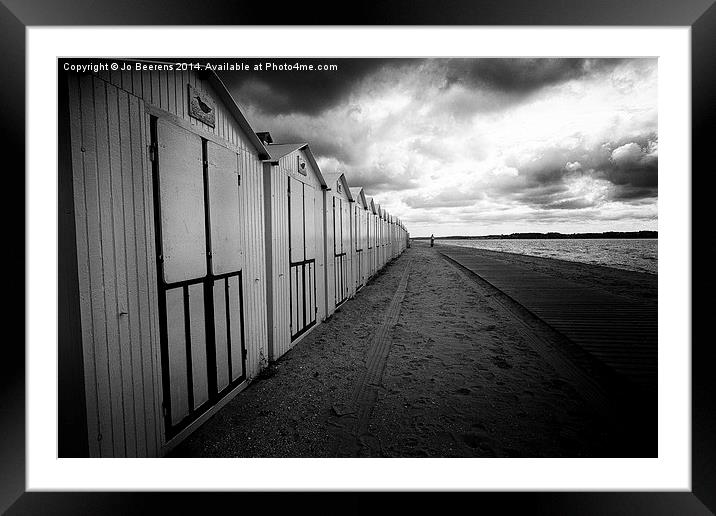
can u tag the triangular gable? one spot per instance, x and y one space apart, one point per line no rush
279 150
371 205
359 196
314 164
335 177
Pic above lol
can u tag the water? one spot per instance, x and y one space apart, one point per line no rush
631 254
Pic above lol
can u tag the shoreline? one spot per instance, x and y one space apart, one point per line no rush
609 266
637 285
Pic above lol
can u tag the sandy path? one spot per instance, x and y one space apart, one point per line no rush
463 380
422 362
288 410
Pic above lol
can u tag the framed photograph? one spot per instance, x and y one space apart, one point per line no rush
453 253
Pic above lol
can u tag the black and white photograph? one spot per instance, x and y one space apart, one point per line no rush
358 257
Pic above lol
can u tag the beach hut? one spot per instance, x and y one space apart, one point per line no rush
371 232
293 193
378 237
391 237
397 250
383 248
339 242
402 241
360 239
394 237
162 265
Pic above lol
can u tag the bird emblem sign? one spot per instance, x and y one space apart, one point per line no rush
201 106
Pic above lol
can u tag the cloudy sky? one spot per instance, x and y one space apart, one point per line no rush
477 146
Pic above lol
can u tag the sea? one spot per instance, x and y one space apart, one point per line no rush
632 254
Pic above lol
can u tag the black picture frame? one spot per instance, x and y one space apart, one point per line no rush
700 15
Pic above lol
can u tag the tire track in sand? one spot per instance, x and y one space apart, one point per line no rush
350 423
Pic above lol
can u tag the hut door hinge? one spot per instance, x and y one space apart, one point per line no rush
239 179
165 412
153 151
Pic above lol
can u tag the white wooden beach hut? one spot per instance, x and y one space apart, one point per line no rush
378 237
360 237
395 230
401 237
295 244
386 237
396 237
339 242
391 233
372 232
162 269
391 250
383 237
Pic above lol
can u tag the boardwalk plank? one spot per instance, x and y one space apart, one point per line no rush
621 332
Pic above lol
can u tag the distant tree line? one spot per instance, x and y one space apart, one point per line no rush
552 235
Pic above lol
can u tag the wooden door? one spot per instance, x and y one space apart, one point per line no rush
302 267
198 197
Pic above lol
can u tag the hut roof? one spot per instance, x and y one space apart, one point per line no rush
233 107
279 150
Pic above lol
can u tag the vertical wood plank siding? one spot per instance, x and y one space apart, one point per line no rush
278 216
339 213
114 220
113 231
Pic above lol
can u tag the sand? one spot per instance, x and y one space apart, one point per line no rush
426 362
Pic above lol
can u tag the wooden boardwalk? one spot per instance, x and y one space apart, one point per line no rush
621 332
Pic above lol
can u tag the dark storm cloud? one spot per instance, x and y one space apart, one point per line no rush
283 92
523 76
309 92
344 147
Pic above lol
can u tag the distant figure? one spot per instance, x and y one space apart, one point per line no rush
432 240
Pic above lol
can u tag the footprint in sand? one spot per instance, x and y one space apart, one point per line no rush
475 440
501 363
464 390
498 350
